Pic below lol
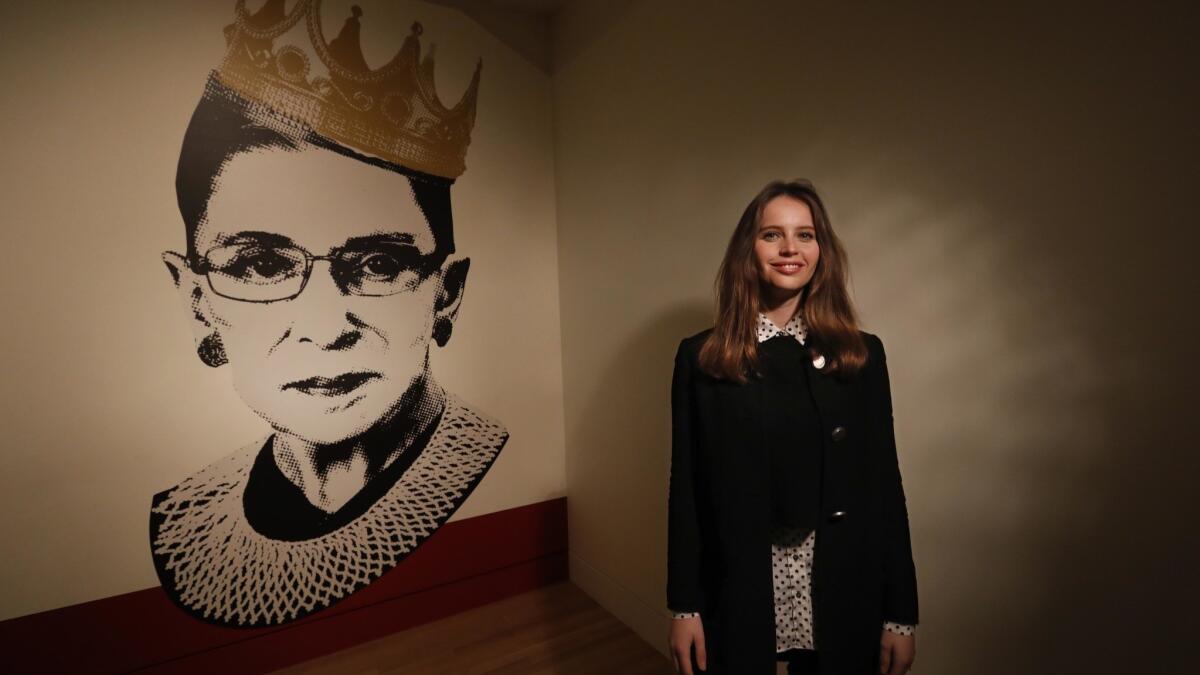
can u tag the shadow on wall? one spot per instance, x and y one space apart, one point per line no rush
523 26
1044 498
631 404
584 27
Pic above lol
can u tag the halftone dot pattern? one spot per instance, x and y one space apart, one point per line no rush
792 551
227 572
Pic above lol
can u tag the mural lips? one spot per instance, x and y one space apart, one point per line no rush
339 385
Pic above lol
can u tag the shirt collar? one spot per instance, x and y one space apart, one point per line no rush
795 327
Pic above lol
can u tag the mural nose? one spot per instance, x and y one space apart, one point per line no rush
322 315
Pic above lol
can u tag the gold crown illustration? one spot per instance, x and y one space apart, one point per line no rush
392 112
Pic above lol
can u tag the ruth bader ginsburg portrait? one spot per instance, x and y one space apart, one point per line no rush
315 195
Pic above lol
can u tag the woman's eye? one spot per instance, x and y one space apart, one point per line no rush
806 236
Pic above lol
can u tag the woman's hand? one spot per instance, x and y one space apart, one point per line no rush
896 653
684 634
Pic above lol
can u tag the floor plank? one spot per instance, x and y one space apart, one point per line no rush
549 631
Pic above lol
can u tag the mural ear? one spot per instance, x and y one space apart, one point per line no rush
449 298
191 294
176 265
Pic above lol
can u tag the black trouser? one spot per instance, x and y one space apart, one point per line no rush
800 661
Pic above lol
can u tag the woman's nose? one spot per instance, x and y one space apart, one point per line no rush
322 314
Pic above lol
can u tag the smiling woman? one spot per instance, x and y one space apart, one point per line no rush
787 535
787 252
319 275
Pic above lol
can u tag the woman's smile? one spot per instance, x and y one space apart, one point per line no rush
788 267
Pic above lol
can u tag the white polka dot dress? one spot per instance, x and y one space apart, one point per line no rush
792 554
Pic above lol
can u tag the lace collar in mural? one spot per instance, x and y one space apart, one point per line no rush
214 564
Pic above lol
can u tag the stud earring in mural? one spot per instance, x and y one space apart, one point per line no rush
312 276
211 352
441 331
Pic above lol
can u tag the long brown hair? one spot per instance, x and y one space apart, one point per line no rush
731 350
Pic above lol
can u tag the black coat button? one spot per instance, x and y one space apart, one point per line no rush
837 516
838 433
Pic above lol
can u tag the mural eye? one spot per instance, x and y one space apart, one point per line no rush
259 266
381 266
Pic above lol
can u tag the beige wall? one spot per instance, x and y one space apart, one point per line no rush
1011 185
104 400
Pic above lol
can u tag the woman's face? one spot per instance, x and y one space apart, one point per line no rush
785 248
325 365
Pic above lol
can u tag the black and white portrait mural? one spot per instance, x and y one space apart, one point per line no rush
318 265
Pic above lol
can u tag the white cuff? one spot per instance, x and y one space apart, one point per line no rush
900 628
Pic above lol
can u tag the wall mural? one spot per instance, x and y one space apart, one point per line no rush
319 265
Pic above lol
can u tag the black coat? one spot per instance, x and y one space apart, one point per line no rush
719 547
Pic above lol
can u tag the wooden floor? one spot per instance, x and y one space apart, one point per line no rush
556 629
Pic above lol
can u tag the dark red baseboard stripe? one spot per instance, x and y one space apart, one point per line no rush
467 563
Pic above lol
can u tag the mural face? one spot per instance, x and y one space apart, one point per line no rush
319 268
332 361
